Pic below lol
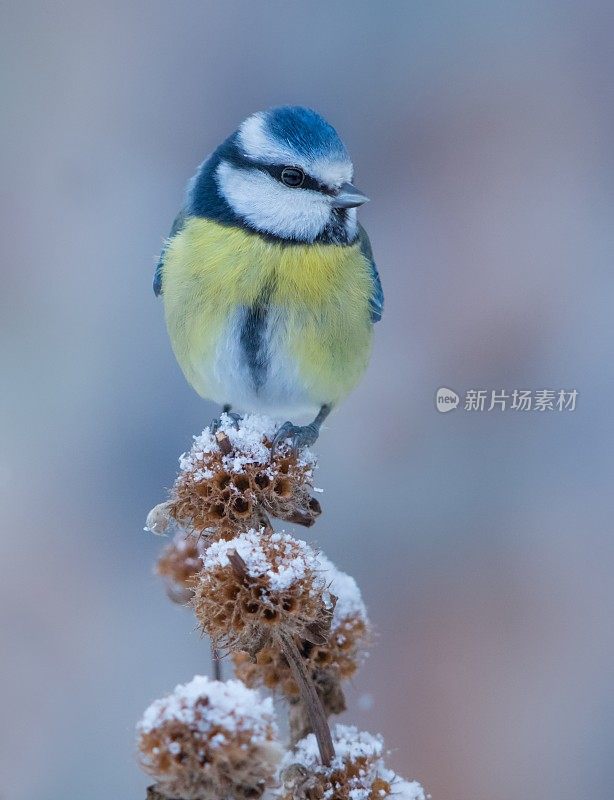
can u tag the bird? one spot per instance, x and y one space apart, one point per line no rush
269 284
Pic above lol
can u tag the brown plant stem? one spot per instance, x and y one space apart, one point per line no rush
301 518
223 442
309 697
216 662
238 565
265 522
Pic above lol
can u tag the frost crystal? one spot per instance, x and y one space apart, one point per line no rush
278 558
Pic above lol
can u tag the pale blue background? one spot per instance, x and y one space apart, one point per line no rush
483 131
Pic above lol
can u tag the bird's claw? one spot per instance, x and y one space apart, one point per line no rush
299 436
216 424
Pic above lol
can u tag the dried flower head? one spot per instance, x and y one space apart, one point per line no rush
209 740
231 476
330 661
345 647
357 772
274 585
178 564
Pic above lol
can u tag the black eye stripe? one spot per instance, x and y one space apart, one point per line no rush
275 171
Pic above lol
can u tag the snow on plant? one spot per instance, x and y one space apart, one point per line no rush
231 477
294 623
256 585
209 739
329 662
357 772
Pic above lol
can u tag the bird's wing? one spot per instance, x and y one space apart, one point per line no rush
376 301
178 224
158 275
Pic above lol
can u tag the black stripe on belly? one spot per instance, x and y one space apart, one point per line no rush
253 342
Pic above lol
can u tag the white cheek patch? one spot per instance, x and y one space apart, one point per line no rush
258 145
351 223
269 206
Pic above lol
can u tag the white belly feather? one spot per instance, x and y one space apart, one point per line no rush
258 376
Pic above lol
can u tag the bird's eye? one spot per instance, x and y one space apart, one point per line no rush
292 176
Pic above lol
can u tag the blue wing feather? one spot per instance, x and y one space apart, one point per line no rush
376 301
158 275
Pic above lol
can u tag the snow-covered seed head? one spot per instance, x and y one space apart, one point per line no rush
273 586
208 740
230 477
346 644
178 564
330 661
357 771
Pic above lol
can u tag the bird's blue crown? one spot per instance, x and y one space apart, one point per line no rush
304 131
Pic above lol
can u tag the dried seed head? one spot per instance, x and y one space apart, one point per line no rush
229 478
335 659
350 629
357 772
178 564
210 739
280 589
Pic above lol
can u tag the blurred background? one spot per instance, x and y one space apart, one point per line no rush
482 542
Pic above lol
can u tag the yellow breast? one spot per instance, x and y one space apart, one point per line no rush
320 294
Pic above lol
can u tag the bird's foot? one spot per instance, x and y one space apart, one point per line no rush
216 424
299 436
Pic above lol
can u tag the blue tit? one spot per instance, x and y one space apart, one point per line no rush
269 285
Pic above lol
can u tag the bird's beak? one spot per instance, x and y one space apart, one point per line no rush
349 197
